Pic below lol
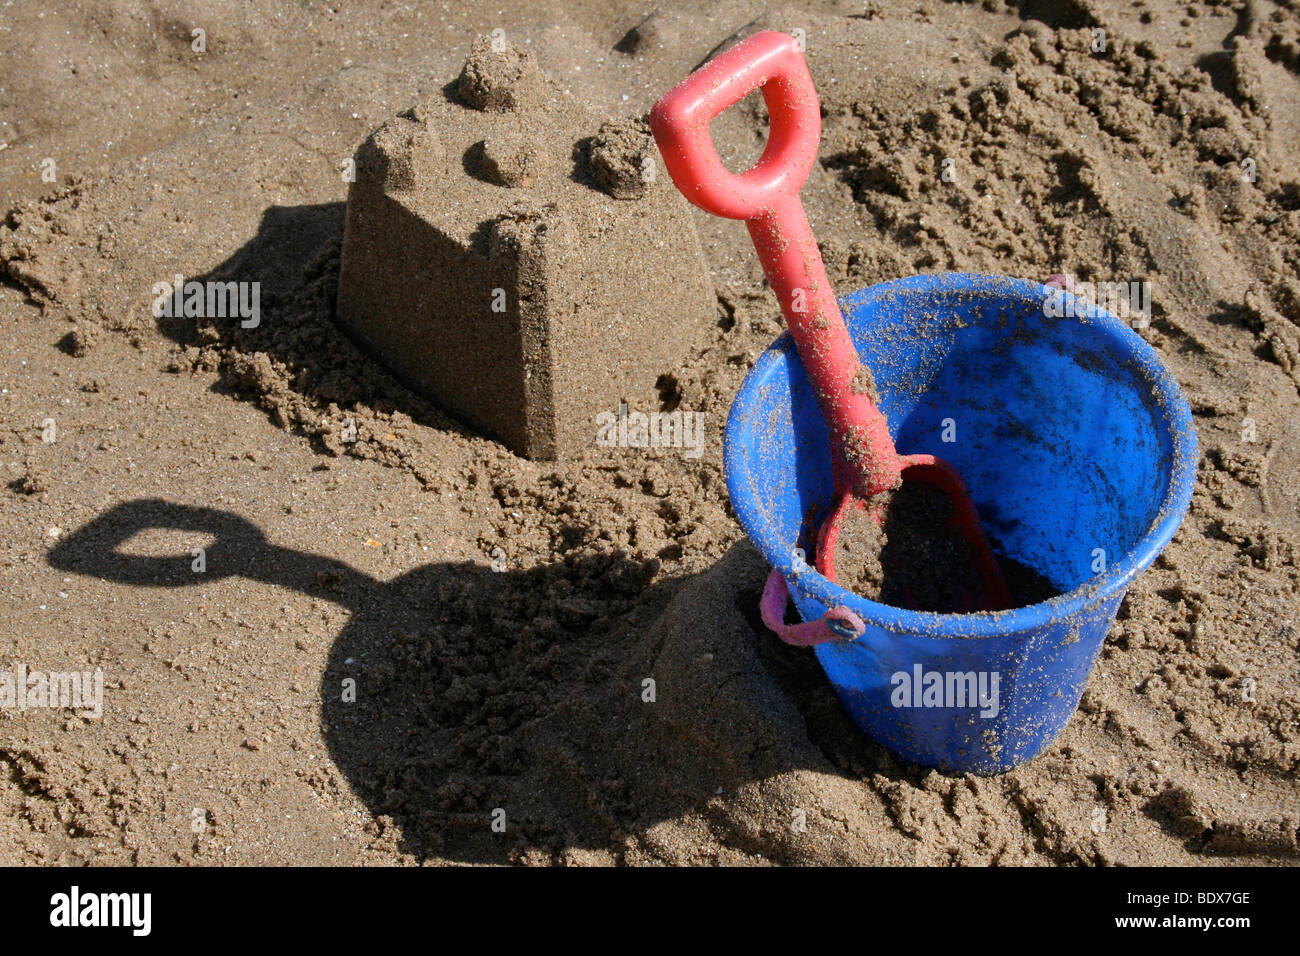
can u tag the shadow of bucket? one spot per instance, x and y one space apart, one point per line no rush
1079 451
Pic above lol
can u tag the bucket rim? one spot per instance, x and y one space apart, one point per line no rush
1175 417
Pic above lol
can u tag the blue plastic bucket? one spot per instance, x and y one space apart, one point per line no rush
1079 451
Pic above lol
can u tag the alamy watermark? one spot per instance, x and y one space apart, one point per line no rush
208 300
675 429
133 911
79 691
1130 301
947 689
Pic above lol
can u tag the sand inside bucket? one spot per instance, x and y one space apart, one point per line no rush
902 553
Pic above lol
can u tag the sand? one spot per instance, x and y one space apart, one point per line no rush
902 551
572 650
480 233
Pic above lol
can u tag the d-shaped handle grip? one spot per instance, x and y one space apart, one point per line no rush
680 121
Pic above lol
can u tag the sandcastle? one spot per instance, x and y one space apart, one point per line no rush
516 259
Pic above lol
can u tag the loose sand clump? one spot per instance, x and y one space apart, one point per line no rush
512 158
498 77
624 158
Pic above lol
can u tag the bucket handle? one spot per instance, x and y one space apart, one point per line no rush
837 624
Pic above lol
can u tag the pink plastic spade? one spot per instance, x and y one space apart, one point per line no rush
864 460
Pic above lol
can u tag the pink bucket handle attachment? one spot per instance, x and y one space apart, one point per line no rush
837 624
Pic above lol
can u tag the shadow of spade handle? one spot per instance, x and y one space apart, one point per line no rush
239 549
